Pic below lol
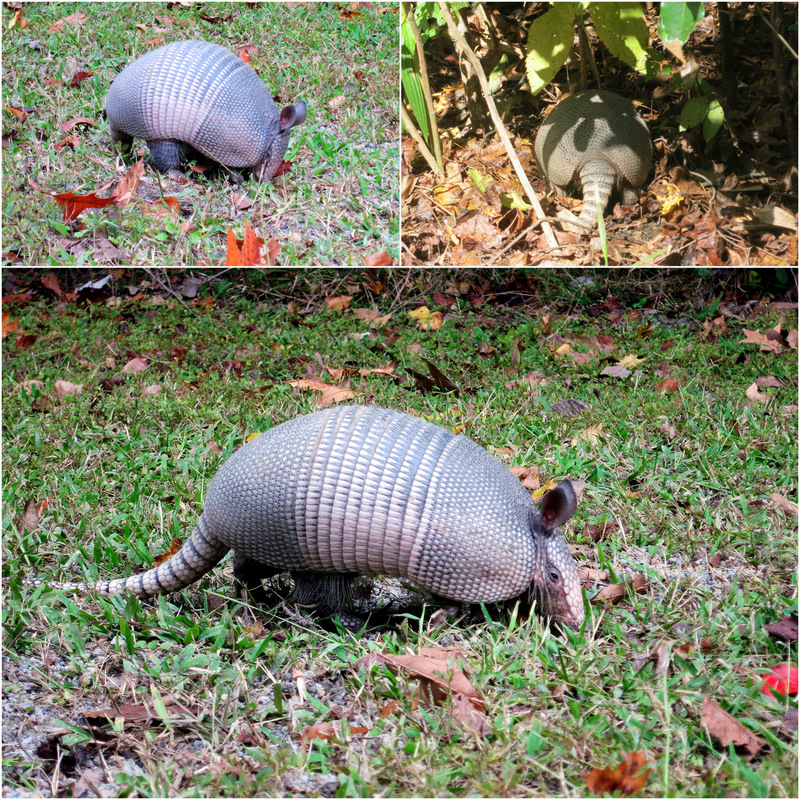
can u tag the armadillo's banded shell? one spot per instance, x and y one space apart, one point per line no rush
200 93
595 127
366 490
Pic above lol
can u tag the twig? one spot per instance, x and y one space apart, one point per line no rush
455 33
411 129
168 288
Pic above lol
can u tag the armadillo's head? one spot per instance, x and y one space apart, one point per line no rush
290 116
555 586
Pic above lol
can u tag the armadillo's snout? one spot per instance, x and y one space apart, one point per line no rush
574 613
556 586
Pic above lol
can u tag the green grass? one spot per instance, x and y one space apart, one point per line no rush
338 204
125 474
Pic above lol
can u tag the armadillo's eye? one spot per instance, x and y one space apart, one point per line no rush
555 576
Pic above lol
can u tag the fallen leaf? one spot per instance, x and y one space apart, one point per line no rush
440 677
616 591
29 521
51 282
629 778
339 302
381 259
725 729
326 730
616 372
63 388
174 547
593 434
784 504
427 320
783 678
9 325
437 381
785 628
598 533
135 366
631 360
755 395
528 476
137 712
570 407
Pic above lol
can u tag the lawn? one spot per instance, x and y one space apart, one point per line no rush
337 205
668 396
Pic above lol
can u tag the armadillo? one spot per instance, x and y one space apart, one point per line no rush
196 97
597 140
360 490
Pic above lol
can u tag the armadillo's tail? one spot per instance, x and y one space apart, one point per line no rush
201 553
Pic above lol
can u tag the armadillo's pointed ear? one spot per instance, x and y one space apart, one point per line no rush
558 505
293 115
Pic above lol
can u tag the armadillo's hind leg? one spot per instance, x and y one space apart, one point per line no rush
327 593
249 575
201 553
166 156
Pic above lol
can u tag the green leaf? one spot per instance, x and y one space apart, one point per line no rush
514 200
412 84
479 179
694 112
622 29
549 43
158 703
676 21
714 120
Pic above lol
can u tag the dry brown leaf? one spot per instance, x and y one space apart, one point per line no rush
137 712
338 302
767 342
388 370
591 575
785 628
529 477
334 394
615 592
616 372
629 778
440 677
9 325
135 366
662 655
392 707
29 521
63 388
723 727
51 282
174 547
326 730
784 504
593 434
569 407
371 316
598 533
